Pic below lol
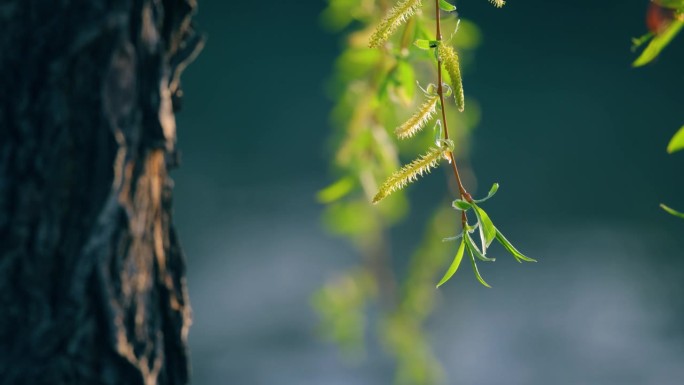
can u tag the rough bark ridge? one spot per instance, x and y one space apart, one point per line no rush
92 279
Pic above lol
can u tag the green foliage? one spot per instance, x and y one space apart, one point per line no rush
672 211
376 100
677 141
657 43
487 232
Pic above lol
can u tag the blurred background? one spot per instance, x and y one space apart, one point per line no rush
575 136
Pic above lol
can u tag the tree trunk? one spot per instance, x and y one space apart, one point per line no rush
92 279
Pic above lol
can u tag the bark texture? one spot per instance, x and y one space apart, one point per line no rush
92 278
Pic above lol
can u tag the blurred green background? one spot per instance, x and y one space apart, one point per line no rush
575 136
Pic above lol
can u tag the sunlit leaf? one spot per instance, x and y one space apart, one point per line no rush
658 43
462 205
520 257
475 269
476 251
677 141
492 191
672 211
487 229
454 265
446 6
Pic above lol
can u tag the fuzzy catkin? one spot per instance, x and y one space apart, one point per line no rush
410 173
418 121
450 59
398 15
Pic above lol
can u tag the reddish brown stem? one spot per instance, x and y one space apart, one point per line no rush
462 191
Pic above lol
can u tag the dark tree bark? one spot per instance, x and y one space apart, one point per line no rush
92 279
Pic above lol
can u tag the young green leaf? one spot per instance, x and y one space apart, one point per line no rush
397 16
410 172
422 44
449 57
641 40
419 119
446 6
658 43
677 141
456 238
672 211
475 269
336 190
454 265
476 251
520 257
460 204
492 191
487 229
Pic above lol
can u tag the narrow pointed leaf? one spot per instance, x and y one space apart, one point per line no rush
450 239
677 141
462 205
658 43
672 211
454 265
492 191
487 229
476 251
520 257
475 269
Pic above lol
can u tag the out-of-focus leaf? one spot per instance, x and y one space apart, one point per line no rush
658 43
520 257
454 265
422 43
405 76
677 141
336 190
641 40
673 4
672 211
446 6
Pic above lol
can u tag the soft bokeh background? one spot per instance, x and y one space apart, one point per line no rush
575 136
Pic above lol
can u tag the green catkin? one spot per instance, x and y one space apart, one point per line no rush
398 15
410 173
418 121
450 59
498 3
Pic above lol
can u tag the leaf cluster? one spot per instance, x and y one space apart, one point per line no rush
487 234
